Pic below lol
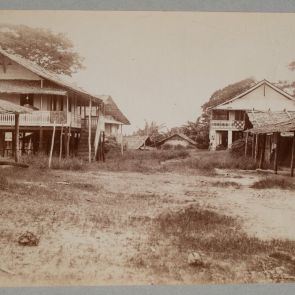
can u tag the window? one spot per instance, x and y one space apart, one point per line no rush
27 100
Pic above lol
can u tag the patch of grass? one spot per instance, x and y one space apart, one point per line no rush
274 182
141 161
41 161
226 184
221 160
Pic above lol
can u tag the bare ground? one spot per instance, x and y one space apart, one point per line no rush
100 227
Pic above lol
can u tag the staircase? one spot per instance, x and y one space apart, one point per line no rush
83 151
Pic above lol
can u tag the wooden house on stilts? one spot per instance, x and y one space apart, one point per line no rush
56 105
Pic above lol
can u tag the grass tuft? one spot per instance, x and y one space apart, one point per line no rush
274 182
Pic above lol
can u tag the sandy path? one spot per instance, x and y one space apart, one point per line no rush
266 214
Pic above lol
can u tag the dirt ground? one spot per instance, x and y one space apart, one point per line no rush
95 226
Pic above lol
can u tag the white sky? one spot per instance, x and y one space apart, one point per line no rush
163 66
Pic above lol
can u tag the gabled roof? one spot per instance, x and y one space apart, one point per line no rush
271 85
45 74
7 107
135 142
111 109
27 87
181 135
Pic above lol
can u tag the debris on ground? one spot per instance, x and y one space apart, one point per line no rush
195 259
28 239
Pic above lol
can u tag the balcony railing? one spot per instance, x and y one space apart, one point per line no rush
43 118
227 125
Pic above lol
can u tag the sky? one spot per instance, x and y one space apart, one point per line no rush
162 66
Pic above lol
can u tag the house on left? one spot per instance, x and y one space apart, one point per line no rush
54 103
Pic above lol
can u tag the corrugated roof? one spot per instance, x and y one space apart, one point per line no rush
111 109
181 135
27 87
135 142
53 77
7 107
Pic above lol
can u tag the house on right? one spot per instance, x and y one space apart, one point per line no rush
230 119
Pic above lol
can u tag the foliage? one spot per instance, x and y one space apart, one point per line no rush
228 92
52 51
152 129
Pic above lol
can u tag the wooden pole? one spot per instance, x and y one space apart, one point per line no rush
68 141
41 139
89 130
253 146
60 142
262 153
102 147
246 144
256 146
52 145
277 139
293 156
16 138
122 147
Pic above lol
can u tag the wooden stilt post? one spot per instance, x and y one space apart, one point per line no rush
246 144
256 146
102 147
41 139
277 141
52 145
89 130
16 138
60 142
293 156
262 153
122 147
253 146
68 141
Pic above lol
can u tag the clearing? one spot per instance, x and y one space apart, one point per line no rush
98 226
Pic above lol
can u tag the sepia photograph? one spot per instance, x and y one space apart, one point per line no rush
146 148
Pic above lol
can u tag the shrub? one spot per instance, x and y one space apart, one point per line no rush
273 182
3 182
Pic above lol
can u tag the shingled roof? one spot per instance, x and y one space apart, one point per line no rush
46 74
135 142
111 109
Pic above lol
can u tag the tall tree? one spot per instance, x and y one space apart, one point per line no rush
54 52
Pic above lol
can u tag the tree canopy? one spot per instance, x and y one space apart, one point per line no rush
52 51
228 92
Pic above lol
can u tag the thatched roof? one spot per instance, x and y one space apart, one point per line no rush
45 74
7 107
27 87
111 109
286 126
136 142
259 118
177 135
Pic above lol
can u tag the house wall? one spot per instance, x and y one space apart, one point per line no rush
14 98
15 71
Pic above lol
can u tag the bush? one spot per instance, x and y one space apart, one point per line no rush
3 182
41 161
274 182
238 146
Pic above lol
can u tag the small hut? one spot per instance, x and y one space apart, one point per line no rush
7 107
273 143
137 142
177 140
